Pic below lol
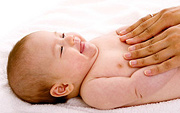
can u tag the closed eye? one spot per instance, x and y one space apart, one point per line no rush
63 35
62 46
61 49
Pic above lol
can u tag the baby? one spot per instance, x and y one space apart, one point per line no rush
51 67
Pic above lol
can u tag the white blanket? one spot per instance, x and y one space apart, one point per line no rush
90 18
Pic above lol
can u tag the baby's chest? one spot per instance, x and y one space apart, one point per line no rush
111 63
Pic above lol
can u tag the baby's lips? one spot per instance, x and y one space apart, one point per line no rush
82 46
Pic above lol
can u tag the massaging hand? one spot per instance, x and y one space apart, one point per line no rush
163 49
149 26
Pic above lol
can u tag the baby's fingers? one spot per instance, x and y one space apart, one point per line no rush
163 67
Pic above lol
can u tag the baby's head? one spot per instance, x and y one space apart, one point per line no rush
49 67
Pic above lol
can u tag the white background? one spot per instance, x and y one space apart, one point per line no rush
14 13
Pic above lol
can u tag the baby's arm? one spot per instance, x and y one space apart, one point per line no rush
107 93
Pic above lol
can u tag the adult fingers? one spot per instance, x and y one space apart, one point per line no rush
153 59
146 51
140 28
151 41
163 67
132 27
163 22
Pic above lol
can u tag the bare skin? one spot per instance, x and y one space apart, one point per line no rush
163 48
112 83
98 71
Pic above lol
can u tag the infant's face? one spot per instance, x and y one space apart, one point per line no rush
67 55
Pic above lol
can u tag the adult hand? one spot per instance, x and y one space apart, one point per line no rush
149 26
163 49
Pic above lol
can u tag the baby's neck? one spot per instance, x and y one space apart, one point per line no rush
74 93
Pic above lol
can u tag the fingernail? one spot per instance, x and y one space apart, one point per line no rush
123 32
123 38
147 72
129 40
127 55
133 62
131 48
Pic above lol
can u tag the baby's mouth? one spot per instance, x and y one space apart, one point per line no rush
82 46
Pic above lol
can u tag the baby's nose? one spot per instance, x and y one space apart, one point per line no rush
72 39
76 39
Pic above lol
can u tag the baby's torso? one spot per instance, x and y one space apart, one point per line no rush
110 63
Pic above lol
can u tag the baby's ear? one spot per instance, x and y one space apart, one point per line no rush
59 90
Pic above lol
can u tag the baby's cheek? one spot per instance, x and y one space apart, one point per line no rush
78 63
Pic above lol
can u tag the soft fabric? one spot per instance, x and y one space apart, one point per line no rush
90 18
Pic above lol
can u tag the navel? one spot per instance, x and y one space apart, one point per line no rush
119 66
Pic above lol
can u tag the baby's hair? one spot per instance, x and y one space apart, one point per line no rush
29 84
